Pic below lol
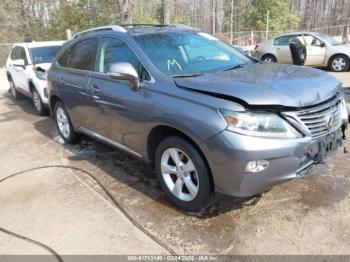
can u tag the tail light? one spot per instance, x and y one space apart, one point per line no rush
256 46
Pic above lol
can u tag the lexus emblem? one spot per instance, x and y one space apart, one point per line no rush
330 122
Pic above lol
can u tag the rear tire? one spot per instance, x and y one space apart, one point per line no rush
339 63
64 124
183 174
38 103
269 59
13 91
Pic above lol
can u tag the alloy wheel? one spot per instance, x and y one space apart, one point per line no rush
37 101
338 64
13 90
62 122
179 174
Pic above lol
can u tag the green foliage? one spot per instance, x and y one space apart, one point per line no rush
143 16
280 16
81 15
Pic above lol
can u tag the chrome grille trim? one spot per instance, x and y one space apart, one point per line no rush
314 120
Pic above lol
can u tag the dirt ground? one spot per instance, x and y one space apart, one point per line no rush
69 212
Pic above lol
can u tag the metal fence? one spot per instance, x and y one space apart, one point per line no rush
248 38
245 38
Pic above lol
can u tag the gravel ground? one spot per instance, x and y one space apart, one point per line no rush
305 216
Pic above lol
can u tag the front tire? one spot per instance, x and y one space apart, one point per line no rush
38 103
183 174
64 124
339 63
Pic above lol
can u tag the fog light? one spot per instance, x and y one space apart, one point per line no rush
256 166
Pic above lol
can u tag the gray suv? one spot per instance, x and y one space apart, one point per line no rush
205 116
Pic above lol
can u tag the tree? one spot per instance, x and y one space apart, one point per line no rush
125 8
281 18
165 12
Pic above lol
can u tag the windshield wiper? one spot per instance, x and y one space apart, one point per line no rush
187 75
234 67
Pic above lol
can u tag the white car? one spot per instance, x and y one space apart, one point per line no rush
321 51
26 69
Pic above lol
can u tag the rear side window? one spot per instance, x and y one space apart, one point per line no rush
82 56
284 40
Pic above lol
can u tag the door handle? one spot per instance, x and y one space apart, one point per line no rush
95 89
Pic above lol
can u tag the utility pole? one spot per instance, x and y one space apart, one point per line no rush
267 24
213 16
231 23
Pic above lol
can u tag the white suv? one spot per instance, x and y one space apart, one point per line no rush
26 69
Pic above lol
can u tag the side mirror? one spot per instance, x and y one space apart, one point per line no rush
323 44
19 62
125 71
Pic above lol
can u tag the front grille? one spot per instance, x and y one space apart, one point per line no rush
322 119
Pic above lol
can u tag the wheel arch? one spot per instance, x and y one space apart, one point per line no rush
337 54
159 133
31 85
53 100
268 54
8 75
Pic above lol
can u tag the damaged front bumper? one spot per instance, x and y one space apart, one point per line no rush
229 153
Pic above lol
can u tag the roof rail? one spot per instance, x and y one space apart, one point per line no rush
181 26
102 28
143 25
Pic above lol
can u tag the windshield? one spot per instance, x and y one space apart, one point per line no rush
185 53
44 54
327 39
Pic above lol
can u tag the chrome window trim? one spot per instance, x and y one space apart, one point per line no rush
104 74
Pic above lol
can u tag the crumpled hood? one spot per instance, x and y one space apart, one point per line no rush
267 84
43 66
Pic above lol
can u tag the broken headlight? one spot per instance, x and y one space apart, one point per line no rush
259 124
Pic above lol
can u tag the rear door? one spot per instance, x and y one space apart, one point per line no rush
283 53
315 52
74 80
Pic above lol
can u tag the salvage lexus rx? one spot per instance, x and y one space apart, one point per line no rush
205 116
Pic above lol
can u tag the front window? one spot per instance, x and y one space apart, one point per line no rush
182 53
44 54
312 41
82 56
327 39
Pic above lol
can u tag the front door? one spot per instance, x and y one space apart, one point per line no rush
315 51
118 107
19 72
